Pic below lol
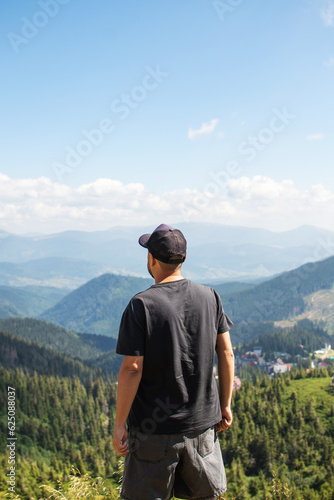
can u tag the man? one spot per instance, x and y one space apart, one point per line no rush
167 393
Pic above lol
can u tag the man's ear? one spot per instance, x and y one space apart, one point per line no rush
152 260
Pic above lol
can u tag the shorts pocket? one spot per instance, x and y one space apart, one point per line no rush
149 447
206 442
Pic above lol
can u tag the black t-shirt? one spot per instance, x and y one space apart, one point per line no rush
174 325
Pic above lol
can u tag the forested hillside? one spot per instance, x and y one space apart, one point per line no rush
283 427
58 338
97 306
301 339
280 297
59 422
282 431
30 356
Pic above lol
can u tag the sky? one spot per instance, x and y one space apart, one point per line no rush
132 113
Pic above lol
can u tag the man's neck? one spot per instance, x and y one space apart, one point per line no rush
169 278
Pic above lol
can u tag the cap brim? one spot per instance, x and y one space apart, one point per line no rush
143 240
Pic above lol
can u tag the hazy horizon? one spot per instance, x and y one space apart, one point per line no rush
152 226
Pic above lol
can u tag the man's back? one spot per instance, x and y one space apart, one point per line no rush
168 406
174 325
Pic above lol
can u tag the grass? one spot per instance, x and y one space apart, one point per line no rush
78 486
316 389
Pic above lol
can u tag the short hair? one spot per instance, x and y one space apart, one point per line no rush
169 268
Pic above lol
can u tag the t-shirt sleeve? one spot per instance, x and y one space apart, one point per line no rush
224 322
131 336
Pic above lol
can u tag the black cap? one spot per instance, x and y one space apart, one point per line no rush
166 244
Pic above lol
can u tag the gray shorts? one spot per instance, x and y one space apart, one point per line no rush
159 466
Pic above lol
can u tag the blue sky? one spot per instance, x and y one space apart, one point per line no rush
142 112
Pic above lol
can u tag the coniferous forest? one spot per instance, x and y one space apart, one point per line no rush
60 422
279 446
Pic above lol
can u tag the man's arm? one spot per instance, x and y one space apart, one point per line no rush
128 381
225 377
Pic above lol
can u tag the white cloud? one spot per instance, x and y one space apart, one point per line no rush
260 188
314 137
329 62
327 13
42 187
206 129
41 205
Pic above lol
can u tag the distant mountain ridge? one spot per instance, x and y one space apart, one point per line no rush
97 306
215 252
27 301
57 272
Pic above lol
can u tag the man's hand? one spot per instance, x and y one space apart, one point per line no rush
128 381
120 440
225 378
226 420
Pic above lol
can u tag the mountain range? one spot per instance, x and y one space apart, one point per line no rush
216 253
96 307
